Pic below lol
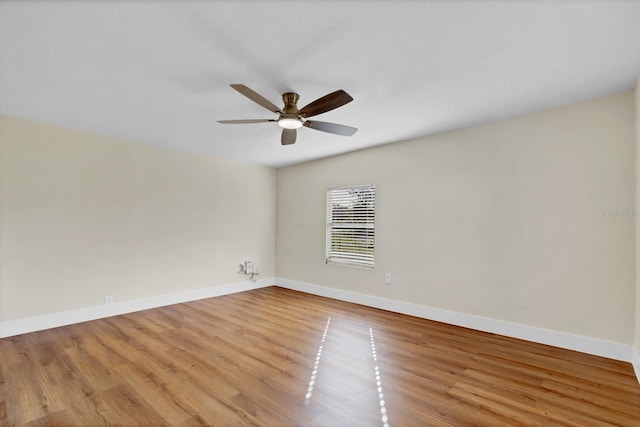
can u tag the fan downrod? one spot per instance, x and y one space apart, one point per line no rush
290 100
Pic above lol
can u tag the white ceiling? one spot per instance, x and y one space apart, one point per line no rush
159 72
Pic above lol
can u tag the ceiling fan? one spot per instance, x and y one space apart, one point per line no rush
291 118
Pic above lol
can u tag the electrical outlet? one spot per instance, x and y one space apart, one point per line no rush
387 278
108 300
248 267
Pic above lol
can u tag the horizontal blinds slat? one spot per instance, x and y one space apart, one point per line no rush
356 250
346 255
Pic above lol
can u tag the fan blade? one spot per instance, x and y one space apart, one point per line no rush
244 121
257 98
326 103
331 127
288 136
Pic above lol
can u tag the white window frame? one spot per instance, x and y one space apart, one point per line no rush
350 234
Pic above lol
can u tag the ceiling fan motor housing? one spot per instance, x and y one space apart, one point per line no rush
290 118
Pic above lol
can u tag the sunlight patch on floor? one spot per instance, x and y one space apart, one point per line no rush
344 355
314 373
383 408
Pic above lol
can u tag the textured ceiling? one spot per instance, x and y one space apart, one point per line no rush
159 72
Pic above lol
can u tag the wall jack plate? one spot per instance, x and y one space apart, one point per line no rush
249 268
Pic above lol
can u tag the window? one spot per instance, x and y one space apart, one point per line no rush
351 225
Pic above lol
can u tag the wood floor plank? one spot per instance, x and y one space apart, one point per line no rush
156 394
276 357
4 416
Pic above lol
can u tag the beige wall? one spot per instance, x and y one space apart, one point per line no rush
85 216
504 220
636 343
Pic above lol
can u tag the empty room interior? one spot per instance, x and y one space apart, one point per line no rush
319 213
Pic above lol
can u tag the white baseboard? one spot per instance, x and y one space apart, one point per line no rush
609 349
54 320
635 361
595 346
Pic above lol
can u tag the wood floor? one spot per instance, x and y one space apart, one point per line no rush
275 357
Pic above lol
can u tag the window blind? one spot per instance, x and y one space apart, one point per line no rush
351 225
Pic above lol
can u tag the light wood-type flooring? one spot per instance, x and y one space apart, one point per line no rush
275 357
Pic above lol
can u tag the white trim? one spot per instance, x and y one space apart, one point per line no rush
612 350
635 361
54 320
595 346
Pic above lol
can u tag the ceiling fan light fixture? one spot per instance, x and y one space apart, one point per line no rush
290 123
